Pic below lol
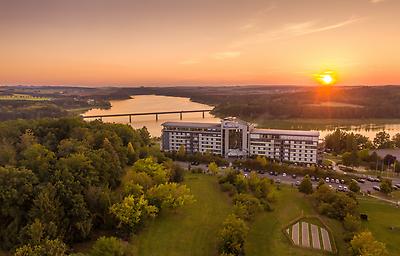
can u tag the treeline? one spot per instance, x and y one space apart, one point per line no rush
355 149
369 102
10 110
250 195
63 179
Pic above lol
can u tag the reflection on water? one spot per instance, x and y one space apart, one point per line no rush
153 103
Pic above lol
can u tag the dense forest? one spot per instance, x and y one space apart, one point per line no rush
63 180
247 102
283 102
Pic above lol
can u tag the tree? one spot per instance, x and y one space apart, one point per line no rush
364 244
386 186
382 140
389 160
232 236
396 140
351 223
246 206
262 161
155 170
108 246
38 159
45 248
213 168
169 195
350 158
8 154
132 211
181 152
306 185
131 154
354 187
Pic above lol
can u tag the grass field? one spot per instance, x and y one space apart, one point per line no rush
266 237
23 97
381 217
190 231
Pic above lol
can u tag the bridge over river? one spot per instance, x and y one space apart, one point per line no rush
156 114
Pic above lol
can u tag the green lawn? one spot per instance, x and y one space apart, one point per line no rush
266 237
190 231
382 216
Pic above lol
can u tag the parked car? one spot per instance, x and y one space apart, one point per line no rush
297 183
294 176
313 178
194 163
284 174
340 188
327 179
361 180
377 188
337 181
342 181
397 185
271 173
345 189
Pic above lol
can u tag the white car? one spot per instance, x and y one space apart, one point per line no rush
284 174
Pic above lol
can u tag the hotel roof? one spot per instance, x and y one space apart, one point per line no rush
192 125
286 132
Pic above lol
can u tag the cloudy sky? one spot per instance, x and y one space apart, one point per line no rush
204 42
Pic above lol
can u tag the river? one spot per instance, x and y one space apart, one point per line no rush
154 103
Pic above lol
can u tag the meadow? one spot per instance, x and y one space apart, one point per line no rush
189 231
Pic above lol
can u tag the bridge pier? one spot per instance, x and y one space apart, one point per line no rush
180 115
156 117
203 114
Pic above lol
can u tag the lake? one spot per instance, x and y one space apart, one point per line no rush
155 103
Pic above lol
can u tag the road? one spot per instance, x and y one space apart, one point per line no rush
288 179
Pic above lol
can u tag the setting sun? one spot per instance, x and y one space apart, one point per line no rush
326 78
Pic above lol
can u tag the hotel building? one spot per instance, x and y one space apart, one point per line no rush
236 138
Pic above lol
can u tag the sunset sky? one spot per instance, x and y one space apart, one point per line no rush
205 42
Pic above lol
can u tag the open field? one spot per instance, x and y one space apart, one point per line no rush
23 97
190 231
193 230
266 236
381 217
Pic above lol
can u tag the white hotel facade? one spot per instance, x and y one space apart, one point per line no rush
235 138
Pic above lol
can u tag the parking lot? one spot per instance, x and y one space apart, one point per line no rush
367 185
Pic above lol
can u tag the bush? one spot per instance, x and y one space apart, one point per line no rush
228 187
351 223
108 246
246 206
232 236
306 185
334 205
